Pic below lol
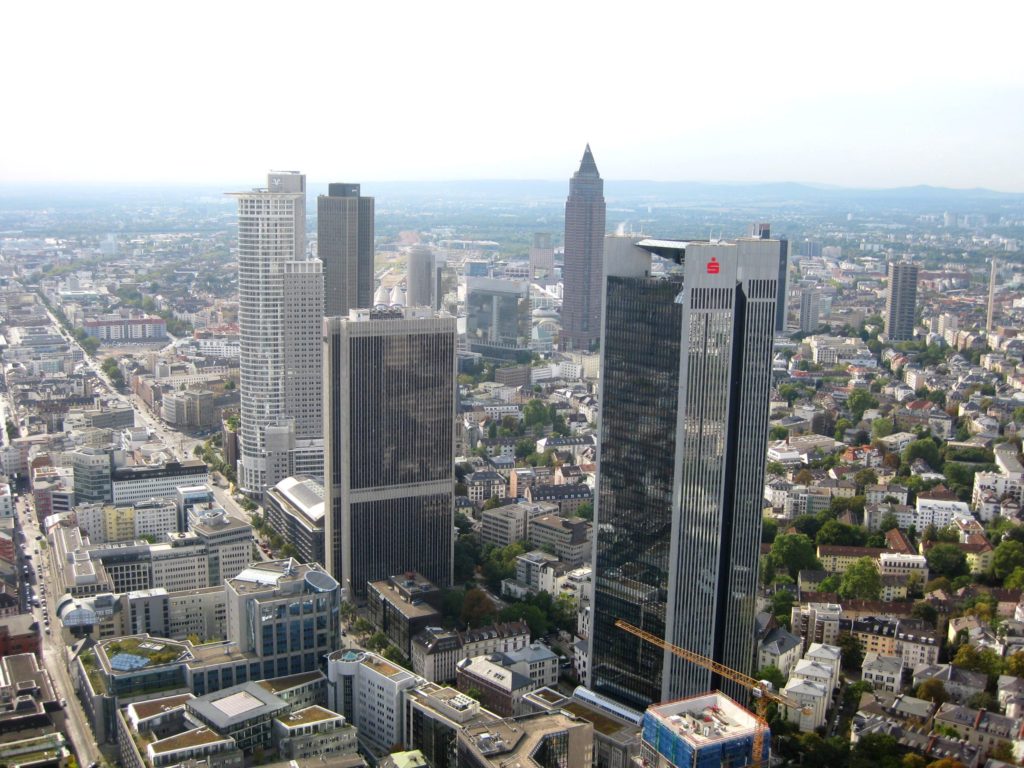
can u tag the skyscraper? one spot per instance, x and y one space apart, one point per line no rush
686 367
901 301
584 254
763 230
345 230
990 313
280 306
810 309
423 278
389 378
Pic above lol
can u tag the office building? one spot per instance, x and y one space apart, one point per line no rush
370 692
542 258
423 279
584 255
686 367
810 309
345 230
284 612
295 511
130 484
91 468
390 384
498 317
901 301
280 307
541 738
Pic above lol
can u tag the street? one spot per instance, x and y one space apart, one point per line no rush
54 652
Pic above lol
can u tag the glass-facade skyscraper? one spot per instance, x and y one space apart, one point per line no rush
389 384
685 374
345 232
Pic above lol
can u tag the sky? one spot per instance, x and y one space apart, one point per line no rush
858 94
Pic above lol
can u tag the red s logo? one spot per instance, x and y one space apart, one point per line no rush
713 266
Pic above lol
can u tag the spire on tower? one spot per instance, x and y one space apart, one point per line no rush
587 165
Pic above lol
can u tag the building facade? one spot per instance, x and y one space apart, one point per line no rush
390 384
686 366
584 254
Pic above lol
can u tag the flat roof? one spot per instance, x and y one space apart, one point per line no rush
194 738
278 684
703 720
237 704
313 714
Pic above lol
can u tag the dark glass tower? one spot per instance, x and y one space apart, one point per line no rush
344 225
389 385
584 254
686 367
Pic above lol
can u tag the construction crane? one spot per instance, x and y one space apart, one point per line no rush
761 689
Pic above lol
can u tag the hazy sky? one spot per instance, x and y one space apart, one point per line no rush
857 94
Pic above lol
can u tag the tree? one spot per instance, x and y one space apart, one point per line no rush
912 760
865 477
925 612
841 426
1015 664
803 477
778 433
378 641
947 560
816 752
585 510
851 652
983 660
888 522
1002 751
983 700
1009 555
922 449
835 533
932 690
795 552
859 401
477 608
782 605
875 750
774 468
946 762
769 530
773 675
531 614
881 428
861 580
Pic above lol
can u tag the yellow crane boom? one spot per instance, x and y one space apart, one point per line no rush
761 689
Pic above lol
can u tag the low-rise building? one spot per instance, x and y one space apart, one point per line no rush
436 651
567 537
402 607
885 673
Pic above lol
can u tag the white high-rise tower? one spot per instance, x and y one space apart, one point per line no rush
280 311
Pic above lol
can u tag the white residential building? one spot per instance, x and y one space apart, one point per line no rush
885 673
813 698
